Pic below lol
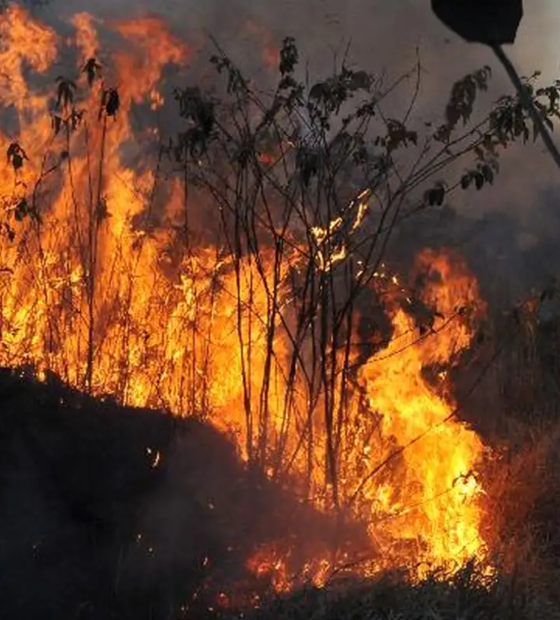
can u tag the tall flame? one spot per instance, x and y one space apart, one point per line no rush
92 290
441 453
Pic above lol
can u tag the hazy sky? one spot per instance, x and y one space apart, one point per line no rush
380 30
382 34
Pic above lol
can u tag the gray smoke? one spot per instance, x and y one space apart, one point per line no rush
387 36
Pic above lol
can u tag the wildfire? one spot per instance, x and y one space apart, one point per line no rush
92 290
441 454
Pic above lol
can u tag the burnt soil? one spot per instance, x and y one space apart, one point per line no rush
113 512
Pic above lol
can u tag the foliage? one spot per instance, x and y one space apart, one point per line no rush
469 595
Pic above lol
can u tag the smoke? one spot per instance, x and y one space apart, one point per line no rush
377 33
508 230
381 38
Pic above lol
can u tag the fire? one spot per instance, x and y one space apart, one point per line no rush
98 288
441 453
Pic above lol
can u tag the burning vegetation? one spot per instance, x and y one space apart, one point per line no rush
228 264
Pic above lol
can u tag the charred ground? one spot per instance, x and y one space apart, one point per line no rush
115 512
112 512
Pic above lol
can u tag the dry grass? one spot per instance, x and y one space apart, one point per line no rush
391 598
522 508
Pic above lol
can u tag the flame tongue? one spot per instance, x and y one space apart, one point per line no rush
439 453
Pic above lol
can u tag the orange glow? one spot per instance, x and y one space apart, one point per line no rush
270 53
92 290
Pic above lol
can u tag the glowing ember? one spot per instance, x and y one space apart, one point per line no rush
93 292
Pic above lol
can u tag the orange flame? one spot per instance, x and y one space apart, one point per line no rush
441 453
88 293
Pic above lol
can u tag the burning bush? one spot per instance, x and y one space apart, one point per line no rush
234 270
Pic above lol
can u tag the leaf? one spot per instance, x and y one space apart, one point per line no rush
10 232
200 113
65 92
461 103
21 210
435 196
488 174
307 163
91 69
359 80
16 156
289 56
478 180
398 135
110 102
